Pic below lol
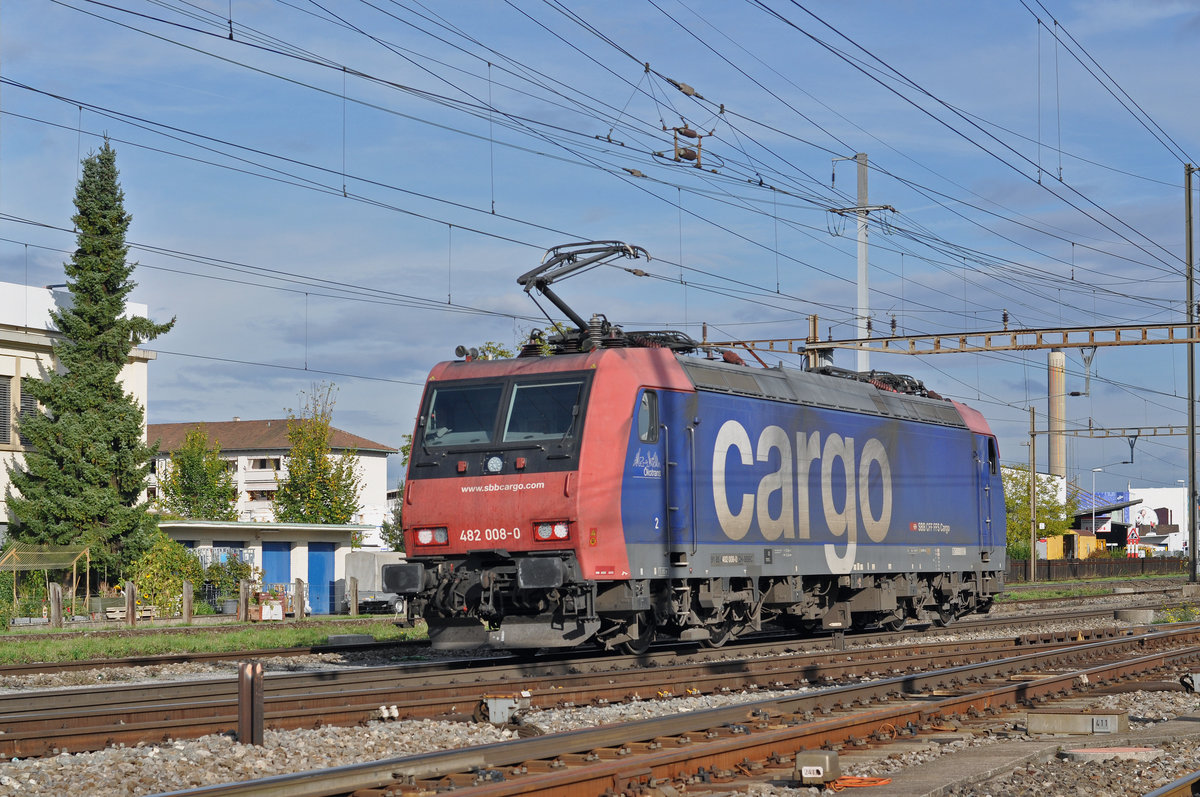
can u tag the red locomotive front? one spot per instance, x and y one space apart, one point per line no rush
511 508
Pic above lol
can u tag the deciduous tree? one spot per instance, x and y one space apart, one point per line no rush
392 529
319 487
1056 515
83 472
198 483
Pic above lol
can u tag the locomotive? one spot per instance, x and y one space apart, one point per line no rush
612 487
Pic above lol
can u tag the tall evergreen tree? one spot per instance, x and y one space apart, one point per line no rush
86 463
319 487
198 483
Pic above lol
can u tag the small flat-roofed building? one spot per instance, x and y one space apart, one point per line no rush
257 455
312 552
1071 545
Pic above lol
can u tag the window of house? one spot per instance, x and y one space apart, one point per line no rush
265 463
259 495
28 408
5 409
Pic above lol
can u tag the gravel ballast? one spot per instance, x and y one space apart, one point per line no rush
176 765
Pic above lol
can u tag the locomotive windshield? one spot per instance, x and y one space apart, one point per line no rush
505 411
542 411
462 415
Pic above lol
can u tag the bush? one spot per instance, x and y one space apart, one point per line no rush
7 610
223 577
160 572
1178 614
1018 551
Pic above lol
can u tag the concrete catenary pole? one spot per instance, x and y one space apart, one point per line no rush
1189 260
1033 529
1057 411
863 308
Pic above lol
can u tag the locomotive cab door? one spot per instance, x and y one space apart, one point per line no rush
645 513
987 459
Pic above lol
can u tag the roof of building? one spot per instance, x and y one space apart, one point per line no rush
1105 509
251 436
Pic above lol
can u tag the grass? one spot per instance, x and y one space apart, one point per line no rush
55 645
1053 592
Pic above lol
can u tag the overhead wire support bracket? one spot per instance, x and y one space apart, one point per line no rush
992 340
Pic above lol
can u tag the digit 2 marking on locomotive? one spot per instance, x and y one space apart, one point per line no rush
793 518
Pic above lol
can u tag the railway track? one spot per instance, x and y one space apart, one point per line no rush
91 718
716 750
416 648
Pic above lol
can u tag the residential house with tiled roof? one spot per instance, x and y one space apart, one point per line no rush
257 455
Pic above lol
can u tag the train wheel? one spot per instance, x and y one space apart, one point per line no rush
894 624
942 617
719 634
640 643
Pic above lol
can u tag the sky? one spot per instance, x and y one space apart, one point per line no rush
343 192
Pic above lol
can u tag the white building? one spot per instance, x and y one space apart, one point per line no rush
1164 507
257 455
27 336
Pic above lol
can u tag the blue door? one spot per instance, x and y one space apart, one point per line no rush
320 576
277 563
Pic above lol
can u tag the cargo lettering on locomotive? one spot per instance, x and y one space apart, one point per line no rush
791 481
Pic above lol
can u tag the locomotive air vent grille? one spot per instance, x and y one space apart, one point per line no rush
882 405
708 377
744 383
938 412
776 386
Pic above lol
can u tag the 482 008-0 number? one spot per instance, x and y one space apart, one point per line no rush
489 535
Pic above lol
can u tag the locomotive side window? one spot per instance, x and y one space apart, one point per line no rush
993 455
647 418
462 415
543 411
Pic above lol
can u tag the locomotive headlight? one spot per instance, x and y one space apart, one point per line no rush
544 531
436 536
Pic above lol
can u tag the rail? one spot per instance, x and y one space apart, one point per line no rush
765 733
1187 786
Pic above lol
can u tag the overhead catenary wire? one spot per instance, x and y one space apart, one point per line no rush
920 239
